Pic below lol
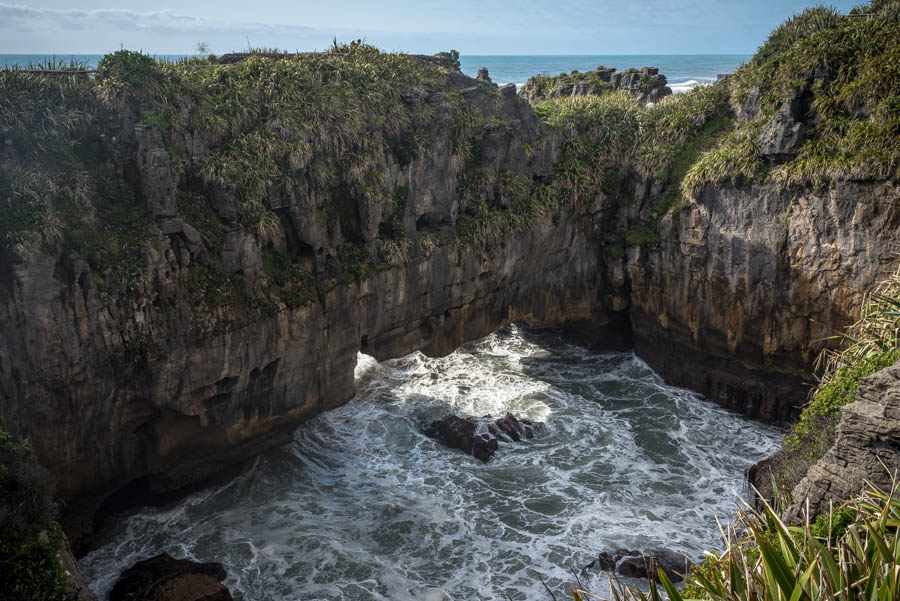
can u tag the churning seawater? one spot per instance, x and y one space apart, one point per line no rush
363 506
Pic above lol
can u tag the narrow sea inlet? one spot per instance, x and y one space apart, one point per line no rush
362 505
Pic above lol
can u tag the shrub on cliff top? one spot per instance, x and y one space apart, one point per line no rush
125 75
613 137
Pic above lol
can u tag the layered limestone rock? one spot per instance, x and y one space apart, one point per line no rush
783 136
748 284
866 449
134 394
647 85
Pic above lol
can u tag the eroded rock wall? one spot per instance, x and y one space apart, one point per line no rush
867 449
137 393
749 284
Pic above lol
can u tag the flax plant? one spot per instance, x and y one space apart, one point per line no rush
767 560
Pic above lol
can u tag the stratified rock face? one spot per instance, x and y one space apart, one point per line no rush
647 85
163 578
157 388
867 448
160 390
749 283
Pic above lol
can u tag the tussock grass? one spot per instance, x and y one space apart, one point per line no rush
613 139
853 555
870 344
845 69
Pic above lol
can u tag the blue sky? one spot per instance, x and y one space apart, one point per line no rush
426 26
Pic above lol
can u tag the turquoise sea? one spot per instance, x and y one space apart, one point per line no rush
683 70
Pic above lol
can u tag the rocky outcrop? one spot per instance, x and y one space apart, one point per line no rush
163 578
866 449
76 587
749 108
634 564
782 138
647 85
481 437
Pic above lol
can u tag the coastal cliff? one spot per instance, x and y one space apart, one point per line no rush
193 254
210 331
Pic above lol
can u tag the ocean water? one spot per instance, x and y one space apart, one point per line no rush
362 506
682 70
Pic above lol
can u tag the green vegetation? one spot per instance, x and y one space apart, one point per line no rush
358 261
29 536
845 69
853 555
871 344
334 116
542 86
616 139
295 287
65 190
486 225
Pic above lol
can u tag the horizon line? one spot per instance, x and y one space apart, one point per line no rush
398 51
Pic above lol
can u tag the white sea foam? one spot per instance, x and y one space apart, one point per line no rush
678 88
363 506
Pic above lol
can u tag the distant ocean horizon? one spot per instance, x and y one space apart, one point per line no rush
682 70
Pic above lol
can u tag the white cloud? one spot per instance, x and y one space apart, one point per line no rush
13 16
29 29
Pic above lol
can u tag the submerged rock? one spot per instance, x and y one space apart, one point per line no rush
163 578
480 437
634 564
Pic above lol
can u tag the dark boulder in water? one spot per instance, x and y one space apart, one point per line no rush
515 428
163 578
480 437
634 564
